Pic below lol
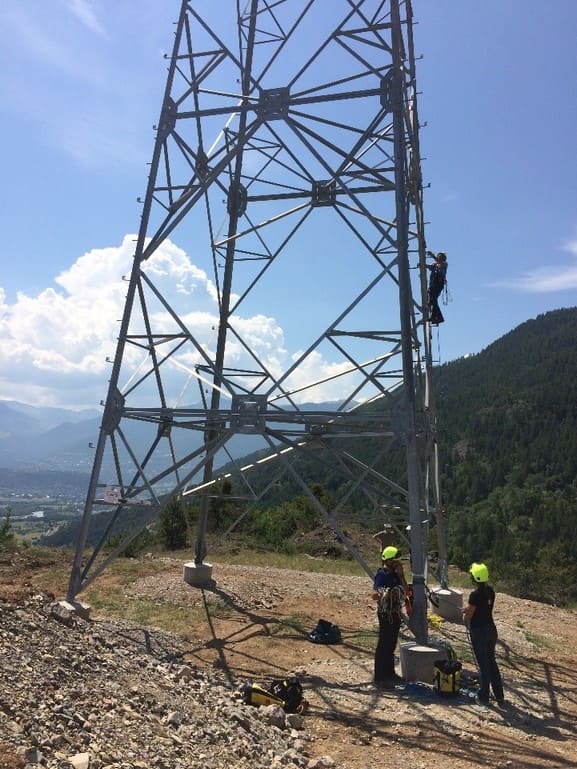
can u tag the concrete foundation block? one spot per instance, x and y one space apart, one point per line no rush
82 610
197 574
418 662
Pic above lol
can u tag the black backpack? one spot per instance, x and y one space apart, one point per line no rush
290 692
325 633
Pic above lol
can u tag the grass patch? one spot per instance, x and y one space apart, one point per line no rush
292 562
299 623
114 603
461 580
55 566
54 573
538 641
109 598
464 653
364 639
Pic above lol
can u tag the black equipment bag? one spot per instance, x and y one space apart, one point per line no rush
325 633
287 692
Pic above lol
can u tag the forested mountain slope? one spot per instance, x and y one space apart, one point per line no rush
513 406
508 440
507 434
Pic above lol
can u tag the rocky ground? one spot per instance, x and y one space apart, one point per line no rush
104 693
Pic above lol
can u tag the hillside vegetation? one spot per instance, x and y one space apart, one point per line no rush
508 449
508 438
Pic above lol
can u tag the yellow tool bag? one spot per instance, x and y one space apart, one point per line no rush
447 677
255 694
288 693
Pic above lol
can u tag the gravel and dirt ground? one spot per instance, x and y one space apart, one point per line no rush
254 625
265 636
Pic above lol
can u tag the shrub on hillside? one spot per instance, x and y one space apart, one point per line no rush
172 525
7 535
139 544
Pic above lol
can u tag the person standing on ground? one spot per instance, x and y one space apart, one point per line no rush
479 615
437 281
389 588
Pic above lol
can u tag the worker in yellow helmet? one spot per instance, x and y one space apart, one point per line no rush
389 588
478 613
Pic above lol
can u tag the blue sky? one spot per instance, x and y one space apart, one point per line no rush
82 82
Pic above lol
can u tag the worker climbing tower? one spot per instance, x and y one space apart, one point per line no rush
276 304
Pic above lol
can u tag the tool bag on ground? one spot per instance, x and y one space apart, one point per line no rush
287 692
290 691
447 676
325 633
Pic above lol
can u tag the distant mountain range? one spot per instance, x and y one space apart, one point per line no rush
33 419
43 438
38 442
507 432
508 411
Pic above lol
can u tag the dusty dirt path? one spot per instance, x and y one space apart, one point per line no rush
260 631
254 625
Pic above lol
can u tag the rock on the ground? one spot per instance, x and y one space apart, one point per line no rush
113 695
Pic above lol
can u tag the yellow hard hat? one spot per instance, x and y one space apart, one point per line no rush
389 552
479 572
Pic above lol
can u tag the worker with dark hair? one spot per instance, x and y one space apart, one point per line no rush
437 282
389 588
479 614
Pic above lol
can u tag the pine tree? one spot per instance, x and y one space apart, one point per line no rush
173 525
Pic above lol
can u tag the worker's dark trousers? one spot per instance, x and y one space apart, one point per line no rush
483 641
389 626
435 314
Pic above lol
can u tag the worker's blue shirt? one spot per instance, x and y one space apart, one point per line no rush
384 578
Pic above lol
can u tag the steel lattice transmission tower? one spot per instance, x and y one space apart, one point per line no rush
286 164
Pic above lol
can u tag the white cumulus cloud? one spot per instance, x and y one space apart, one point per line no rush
54 345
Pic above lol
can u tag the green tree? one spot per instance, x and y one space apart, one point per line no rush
7 535
140 543
172 525
275 526
223 509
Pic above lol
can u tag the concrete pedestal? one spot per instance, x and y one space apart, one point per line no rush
418 662
450 603
63 611
197 575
